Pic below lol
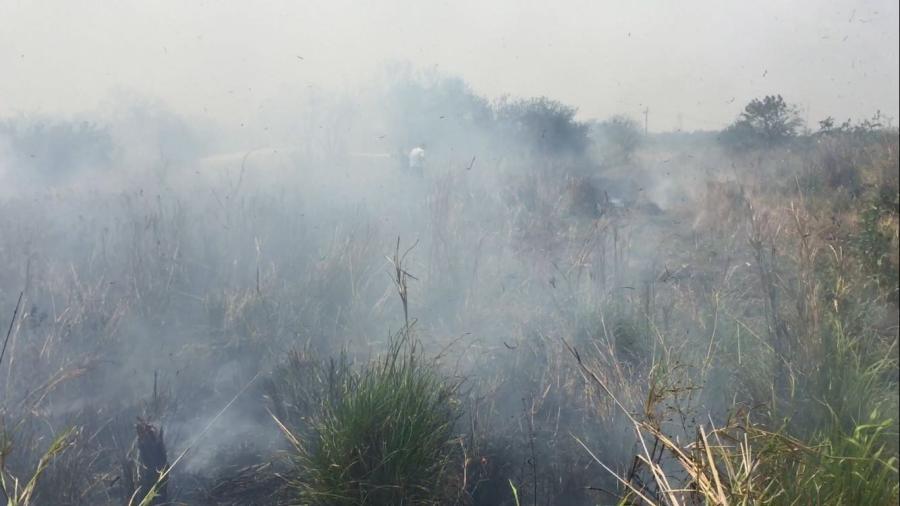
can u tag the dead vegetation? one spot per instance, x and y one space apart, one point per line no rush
736 348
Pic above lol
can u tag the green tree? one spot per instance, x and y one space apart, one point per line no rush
765 122
546 127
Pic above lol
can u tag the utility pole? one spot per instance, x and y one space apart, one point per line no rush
646 114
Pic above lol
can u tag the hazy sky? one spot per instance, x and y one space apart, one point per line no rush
700 60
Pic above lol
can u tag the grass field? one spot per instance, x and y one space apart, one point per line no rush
687 326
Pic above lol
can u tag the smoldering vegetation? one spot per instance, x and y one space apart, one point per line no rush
555 312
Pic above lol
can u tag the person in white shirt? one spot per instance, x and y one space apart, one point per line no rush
417 160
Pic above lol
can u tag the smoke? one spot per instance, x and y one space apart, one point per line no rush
170 262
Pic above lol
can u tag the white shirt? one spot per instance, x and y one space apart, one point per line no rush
417 158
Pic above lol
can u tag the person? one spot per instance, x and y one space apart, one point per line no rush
417 160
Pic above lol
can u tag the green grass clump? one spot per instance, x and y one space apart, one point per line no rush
385 440
839 468
18 493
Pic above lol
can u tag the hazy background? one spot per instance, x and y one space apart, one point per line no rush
223 59
191 192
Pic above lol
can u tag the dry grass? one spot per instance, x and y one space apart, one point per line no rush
730 350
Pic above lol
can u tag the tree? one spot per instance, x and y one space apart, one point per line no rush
545 126
618 138
765 122
56 149
433 108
